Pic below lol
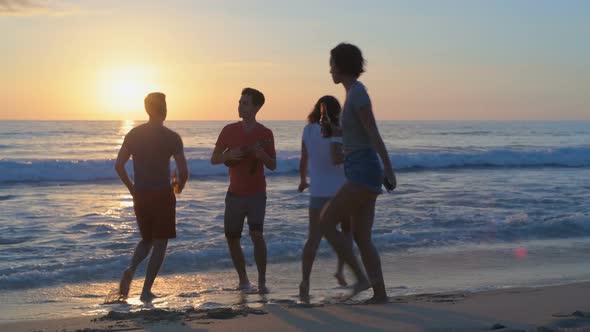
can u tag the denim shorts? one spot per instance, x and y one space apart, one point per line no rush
364 167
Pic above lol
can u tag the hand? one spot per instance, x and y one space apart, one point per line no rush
302 186
234 154
261 154
176 185
336 130
390 175
177 189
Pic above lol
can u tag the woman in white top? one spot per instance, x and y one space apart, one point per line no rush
321 159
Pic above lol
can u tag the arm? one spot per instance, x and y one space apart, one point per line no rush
122 159
367 119
221 155
182 166
268 161
303 168
218 157
336 153
267 155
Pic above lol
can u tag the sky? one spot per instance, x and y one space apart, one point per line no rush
426 60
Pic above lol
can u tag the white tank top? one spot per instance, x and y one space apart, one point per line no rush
325 177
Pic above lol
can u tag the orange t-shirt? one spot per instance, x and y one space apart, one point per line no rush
247 176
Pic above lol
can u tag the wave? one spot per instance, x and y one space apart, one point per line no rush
285 249
547 157
459 133
17 240
12 170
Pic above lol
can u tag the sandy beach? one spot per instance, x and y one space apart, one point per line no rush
553 308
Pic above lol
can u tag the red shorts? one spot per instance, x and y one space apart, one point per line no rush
156 213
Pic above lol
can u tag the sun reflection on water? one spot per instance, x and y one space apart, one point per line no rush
126 201
126 126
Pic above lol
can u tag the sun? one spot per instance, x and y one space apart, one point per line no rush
124 88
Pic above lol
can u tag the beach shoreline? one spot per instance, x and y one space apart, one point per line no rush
465 270
555 308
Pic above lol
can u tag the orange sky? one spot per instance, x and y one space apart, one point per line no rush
97 59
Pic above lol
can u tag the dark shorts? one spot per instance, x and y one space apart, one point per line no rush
156 213
237 208
364 167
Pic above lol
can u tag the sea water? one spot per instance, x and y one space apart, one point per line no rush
479 205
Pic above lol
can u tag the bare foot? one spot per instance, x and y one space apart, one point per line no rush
304 292
377 300
246 288
262 289
125 283
361 285
147 297
340 277
113 297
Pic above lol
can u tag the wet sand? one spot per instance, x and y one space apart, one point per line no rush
553 308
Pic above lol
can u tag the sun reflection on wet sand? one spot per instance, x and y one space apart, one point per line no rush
174 291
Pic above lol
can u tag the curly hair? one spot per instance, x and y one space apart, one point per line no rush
332 106
348 59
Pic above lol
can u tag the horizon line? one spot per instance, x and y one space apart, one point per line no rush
305 120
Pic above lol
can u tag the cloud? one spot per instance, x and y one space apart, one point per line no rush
32 7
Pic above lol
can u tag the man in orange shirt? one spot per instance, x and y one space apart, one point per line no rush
246 147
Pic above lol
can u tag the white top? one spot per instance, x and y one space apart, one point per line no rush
325 177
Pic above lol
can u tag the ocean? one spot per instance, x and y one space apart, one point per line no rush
479 205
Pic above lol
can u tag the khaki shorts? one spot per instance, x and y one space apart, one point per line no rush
238 208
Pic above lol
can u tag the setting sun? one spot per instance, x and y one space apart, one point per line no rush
124 88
